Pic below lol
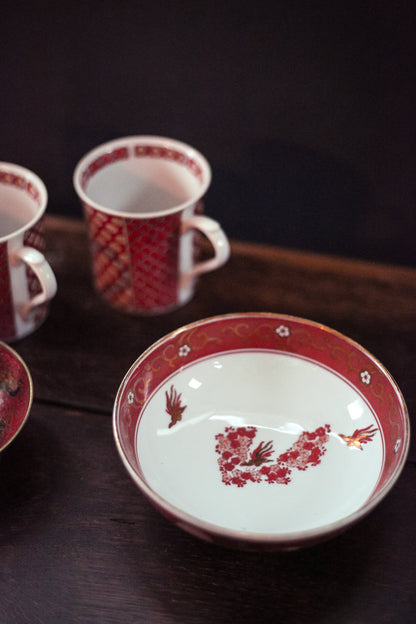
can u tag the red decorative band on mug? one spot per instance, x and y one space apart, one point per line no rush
167 153
121 153
21 183
141 151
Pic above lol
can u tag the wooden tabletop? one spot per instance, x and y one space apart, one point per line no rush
78 541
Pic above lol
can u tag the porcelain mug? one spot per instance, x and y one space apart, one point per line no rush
142 200
27 282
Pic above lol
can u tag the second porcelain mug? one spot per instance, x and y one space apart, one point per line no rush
27 282
142 200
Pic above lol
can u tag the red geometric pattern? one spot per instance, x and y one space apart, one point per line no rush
135 261
167 153
110 258
102 161
154 253
20 182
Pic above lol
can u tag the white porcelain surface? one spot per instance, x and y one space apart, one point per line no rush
281 396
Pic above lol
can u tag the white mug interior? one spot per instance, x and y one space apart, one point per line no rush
142 176
23 199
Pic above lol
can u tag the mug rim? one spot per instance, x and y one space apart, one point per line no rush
31 176
157 141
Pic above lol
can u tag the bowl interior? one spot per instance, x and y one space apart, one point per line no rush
15 394
261 424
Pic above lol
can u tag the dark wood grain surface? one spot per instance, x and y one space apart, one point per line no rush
79 543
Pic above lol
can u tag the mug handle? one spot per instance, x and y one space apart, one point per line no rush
41 268
215 234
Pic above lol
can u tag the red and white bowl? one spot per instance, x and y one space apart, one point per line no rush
261 431
16 394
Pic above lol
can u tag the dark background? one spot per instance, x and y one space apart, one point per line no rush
306 111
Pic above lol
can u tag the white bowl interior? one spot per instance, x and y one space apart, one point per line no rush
282 397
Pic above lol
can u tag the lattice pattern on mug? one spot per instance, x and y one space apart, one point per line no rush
135 261
154 252
110 257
